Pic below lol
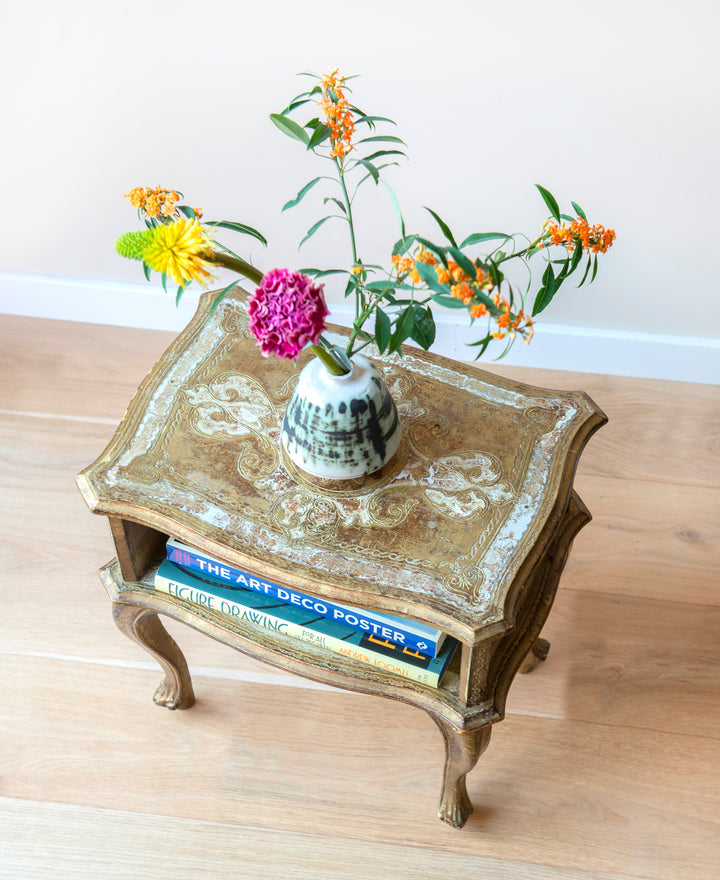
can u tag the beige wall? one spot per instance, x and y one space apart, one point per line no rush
613 105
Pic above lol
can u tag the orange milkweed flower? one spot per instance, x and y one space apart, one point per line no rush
463 291
594 239
338 115
404 265
153 201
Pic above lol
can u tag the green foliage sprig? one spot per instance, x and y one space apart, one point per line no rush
394 306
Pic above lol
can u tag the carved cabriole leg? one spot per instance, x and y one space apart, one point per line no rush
535 656
462 750
143 626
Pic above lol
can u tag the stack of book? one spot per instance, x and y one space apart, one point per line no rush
393 644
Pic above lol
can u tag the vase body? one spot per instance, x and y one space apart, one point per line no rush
340 427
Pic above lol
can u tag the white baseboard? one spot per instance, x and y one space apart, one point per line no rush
555 346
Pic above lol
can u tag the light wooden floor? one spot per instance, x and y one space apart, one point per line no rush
606 766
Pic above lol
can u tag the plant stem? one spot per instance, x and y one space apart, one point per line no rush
359 321
346 197
330 356
533 245
359 298
236 264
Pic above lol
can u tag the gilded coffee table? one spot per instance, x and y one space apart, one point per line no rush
467 528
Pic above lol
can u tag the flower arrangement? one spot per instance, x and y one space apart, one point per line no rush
392 305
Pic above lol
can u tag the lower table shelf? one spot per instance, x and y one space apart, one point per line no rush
469 700
291 654
465 729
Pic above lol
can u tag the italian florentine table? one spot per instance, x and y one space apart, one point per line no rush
467 528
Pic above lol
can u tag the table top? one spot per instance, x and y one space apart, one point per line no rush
441 533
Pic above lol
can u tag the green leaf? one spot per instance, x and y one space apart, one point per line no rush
403 329
496 276
290 128
295 103
465 264
313 229
371 168
429 276
335 202
178 296
564 272
435 249
404 301
383 330
396 207
237 227
301 195
371 119
163 279
483 343
550 201
146 271
403 245
378 153
321 133
187 211
546 292
382 137
380 285
487 302
579 210
587 268
223 292
322 273
450 302
443 226
594 271
478 237
423 331
378 168
576 257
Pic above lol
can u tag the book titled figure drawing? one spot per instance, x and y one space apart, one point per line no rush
409 633
306 625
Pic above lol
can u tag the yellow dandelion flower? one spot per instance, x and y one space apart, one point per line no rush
180 250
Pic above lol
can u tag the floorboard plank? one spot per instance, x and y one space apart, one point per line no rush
369 770
660 540
118 845
73 369
626 662
668 432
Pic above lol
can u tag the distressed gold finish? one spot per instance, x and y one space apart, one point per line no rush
467 528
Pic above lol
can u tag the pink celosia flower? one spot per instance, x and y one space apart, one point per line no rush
286 312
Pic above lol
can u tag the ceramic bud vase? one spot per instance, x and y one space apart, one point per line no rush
340 427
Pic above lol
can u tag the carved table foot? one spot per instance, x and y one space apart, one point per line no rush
143 626
535 656
462 750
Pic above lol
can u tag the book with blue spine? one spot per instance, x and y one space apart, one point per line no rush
408 633
304 624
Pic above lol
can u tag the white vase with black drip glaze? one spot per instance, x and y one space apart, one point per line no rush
340 427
